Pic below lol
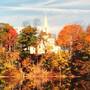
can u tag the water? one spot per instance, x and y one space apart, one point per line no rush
45 83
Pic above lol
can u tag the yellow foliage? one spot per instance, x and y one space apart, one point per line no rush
2 49
61 58
26 62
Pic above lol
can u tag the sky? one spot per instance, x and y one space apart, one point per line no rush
59 13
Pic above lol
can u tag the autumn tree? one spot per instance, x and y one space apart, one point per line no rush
8 36
88 30
70 34
2 35
87 38
73 37
27 38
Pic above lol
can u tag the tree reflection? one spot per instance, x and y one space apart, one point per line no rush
80 83
52 83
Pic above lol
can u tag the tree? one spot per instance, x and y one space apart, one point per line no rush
27 38
70 34
87 38
8 36
11 39
73 37
3 33
88 30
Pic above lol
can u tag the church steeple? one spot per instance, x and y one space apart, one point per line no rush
46 24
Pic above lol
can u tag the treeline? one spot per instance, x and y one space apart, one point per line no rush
72 38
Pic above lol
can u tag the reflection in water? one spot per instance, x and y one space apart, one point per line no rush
49 83
82 83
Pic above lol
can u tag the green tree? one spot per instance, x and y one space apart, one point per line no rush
3 32
27 38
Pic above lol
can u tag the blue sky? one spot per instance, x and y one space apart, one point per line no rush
59 12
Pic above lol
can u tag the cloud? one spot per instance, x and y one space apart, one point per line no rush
39 4
57 12
70 3
43 9
81 0
77 0
70 6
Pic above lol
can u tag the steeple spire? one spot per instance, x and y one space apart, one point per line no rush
46 24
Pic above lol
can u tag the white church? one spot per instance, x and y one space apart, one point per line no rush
47 44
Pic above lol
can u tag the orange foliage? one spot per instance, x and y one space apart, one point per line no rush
26 62
13 76
78 46
87 38
2 49
14 55
27 30
9 35
70 33
88 30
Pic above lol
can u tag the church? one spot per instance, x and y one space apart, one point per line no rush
47 43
